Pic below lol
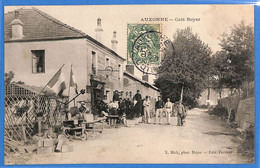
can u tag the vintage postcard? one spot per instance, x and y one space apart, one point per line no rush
129 84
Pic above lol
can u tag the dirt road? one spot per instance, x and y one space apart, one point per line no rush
205 139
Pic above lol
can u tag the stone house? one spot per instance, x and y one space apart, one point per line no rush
37 45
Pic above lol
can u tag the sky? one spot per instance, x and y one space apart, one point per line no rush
214 20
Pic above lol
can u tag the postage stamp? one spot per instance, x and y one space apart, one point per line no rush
147 47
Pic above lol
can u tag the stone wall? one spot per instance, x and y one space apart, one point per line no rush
230 103
244 109
245 114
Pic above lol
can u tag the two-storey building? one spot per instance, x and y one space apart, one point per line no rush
37 45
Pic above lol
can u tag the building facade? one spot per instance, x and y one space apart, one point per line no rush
37 45
133 83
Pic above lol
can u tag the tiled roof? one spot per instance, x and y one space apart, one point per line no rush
141 81
37 25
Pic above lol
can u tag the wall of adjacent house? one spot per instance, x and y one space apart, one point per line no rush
154 93
133 86
114 81
18 58
145 91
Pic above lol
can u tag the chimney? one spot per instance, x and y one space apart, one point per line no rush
130 69
145 77
114 41
17 27
99 31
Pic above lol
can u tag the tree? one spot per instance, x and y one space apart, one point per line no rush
189 67
238 50
219 70
8 77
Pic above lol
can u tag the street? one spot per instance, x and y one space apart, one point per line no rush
204 139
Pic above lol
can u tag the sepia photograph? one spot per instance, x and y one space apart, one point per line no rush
129 84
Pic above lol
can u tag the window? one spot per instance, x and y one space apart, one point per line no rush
119 71
94 67
38 61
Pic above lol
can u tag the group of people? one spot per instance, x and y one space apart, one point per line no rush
129 106
169 109
126 106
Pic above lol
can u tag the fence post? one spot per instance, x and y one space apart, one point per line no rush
23 132
39 120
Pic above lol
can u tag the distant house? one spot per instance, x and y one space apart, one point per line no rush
133 83
213 96
37 45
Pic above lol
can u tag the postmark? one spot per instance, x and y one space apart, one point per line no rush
150 50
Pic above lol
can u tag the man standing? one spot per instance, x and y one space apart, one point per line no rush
122 110
126 97
159 110
130 96
116 96
168 110
181 114
147 105
121 94
138 98
121 106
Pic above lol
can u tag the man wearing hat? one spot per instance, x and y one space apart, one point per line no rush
82 110
116 96
139 104
181 114
82 107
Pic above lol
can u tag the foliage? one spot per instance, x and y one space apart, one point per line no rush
237 56
20 82
219 111
8 77
218 71
21 110
189 67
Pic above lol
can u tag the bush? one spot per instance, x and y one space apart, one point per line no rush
219 111
204 106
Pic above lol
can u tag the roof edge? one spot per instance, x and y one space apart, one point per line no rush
105 47
49 17
45 39
142 81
